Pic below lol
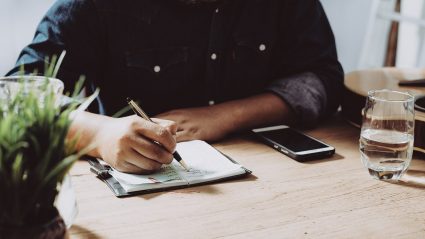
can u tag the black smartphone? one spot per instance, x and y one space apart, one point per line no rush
293 143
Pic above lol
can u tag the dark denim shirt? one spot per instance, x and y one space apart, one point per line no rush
169 55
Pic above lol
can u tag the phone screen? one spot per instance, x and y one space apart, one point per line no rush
292 140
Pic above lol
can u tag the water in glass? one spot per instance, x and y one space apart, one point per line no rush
386 139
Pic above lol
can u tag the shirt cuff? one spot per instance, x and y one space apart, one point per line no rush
305 94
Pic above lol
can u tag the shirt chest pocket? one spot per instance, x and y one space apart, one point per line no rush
249 50
156 71
249 65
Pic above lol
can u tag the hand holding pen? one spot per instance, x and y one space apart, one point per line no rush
127 143
138 111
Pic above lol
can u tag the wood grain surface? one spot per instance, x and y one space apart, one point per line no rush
329 198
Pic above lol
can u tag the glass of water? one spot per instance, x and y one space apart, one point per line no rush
386 139
10 86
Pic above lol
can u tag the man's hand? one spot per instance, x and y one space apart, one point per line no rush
212 123
127 144
204 123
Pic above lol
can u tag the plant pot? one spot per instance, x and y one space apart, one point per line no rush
52 229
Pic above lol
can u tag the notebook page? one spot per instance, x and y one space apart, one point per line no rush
165 177
205 162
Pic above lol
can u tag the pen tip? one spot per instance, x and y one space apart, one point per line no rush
182 163
128 99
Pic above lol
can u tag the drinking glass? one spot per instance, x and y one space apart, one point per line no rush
386 139
66 201
10 86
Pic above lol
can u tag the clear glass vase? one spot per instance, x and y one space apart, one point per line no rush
66 202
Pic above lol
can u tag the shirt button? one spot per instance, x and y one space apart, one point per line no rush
216 10
211 102
262 47
213 56
157 69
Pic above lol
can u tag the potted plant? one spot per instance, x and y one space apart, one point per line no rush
35 155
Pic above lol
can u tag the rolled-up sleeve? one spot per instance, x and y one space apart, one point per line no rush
310 78
305 94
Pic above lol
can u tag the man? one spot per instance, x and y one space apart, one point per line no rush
213 67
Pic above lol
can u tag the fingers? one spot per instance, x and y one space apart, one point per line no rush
156 133
143 163
127 167
137 145
150 150
132 162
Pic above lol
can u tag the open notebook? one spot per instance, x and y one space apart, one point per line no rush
206 164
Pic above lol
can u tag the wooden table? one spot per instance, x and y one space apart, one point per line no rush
330 198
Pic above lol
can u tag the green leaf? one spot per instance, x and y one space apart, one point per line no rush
58 64
35 153
17 169
122 111
61 168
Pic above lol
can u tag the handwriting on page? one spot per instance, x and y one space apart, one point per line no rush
206 163
165 174
196 173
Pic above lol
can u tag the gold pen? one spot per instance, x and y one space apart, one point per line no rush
138 111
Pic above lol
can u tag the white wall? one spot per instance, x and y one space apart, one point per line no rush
350 21
18 21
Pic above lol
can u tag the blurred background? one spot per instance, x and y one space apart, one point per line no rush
369 33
